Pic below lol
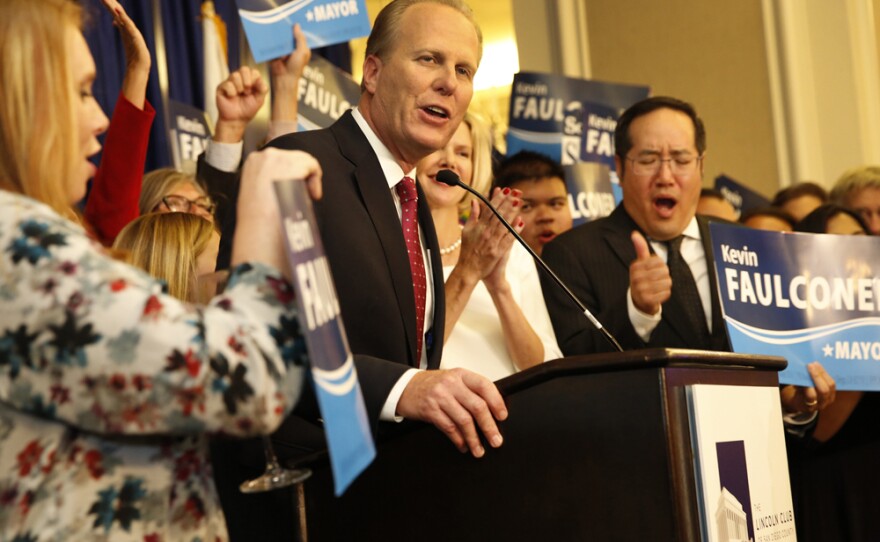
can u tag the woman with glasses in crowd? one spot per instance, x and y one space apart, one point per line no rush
167 190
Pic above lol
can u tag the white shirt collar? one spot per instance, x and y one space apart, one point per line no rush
390 168
692 230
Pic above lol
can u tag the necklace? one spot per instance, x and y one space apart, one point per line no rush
446 251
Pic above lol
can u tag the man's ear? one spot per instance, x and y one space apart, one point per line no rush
618 166
372 70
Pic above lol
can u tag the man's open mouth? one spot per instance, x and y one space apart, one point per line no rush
435 111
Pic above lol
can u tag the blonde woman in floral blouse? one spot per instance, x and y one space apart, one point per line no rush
108 386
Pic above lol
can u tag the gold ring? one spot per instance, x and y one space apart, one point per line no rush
811 403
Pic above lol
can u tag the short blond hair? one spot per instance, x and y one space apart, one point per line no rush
38 123
159 183
853 181
166 245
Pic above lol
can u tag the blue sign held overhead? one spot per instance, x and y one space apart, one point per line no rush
269 26
336 384
806 297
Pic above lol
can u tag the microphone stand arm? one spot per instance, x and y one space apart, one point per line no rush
596 323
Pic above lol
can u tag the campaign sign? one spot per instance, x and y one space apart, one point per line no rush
547 111
268 24
597 139
741 197
590 193
189 134
336 383
805 297
325 93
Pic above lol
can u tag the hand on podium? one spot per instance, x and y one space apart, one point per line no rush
452 400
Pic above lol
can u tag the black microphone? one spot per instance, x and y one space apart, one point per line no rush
449 177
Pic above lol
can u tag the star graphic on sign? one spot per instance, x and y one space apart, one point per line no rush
310 16
827 350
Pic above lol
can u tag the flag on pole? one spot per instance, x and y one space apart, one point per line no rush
215 61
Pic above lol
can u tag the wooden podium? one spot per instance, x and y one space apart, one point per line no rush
596 447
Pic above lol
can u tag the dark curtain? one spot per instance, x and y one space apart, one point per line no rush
183 46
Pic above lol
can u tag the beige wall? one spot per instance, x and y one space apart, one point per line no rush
710 53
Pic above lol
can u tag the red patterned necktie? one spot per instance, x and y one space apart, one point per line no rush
406 190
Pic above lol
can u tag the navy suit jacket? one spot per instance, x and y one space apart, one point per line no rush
593 260
363 239
364 242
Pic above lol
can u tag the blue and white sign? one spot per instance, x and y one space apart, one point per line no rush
336 384
189 134
590 191
805 297
325 93
597 137
269 25
547 111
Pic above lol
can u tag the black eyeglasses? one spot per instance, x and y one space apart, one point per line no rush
180 204
650 164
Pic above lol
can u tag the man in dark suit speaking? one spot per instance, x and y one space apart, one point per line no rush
377 230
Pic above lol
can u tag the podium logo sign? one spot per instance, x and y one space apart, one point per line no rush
741 465
733 515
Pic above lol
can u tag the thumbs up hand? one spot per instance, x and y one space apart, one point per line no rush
649 281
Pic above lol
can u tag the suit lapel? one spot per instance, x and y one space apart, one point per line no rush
426 223
618 229
380 206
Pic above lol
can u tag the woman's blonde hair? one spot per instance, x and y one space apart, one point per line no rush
166 246
481 176
38 123
159 183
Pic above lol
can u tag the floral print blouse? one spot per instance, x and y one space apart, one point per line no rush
108 386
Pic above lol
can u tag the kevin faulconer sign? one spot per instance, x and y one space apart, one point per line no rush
805 297
336 383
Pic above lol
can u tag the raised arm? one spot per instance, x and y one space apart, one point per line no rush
286 72
113 200
137 56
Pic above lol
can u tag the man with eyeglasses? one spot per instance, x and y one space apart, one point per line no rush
646 271
618 265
